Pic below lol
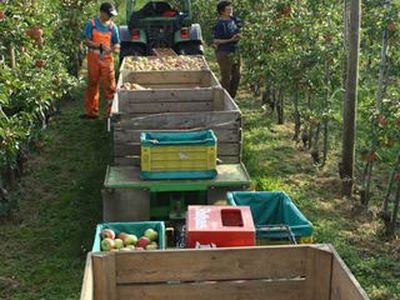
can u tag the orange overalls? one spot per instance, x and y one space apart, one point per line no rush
99 69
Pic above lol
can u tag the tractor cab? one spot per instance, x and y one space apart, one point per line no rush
159 24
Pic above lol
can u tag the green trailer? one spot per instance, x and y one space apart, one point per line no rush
127 197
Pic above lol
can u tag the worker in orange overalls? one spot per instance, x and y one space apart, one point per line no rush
102 39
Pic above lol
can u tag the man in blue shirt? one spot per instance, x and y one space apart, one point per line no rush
226 38
102 39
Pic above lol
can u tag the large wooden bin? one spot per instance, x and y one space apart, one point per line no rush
216 111
304 272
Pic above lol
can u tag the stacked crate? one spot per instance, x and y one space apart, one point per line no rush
188 98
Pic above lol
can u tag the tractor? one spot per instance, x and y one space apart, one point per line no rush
159 24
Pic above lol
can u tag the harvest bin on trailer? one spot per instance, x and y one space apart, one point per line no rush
303 272
214 109
273 208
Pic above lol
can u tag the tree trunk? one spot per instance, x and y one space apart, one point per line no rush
13 61
279 108
350 101
385 205
297 119
378 105
395 210
325 122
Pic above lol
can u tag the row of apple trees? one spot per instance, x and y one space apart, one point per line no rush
294 55
39 56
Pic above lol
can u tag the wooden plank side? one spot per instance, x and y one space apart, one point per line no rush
179 120
344 285
87 292
170 77
166 95
319 270
105 287
155 108
133 149
240 290
133 136
211 264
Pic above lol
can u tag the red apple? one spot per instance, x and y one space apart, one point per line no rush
108 233
397 176
372 156
40 63
143 242
286 10
392 26
122 236
2 15
398 121
35 32
382 121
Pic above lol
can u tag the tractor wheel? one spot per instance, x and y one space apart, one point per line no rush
190 49
130 49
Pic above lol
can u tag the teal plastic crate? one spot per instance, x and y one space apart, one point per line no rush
136 228
273 208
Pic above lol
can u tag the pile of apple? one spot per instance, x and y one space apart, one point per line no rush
167 63
128 242
133 87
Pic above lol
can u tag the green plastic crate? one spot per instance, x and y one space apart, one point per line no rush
136 228
274 208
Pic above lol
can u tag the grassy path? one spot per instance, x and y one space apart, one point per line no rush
59 204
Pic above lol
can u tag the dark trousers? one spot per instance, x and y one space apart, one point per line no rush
229 65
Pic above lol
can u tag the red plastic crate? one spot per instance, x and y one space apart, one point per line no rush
225 226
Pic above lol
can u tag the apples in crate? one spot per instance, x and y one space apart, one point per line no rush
167 63
128 242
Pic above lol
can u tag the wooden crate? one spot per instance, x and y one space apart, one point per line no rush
301 272
171 112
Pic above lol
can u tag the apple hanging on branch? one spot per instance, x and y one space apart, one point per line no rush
2 15
40 63
392 26
397 176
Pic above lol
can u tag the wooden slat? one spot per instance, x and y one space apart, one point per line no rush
165 107
179 120
319 269
245 290
213 264
130 149
87 292
344 284
105 287
222 134
155 96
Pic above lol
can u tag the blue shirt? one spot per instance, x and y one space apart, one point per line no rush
102 28
224 30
